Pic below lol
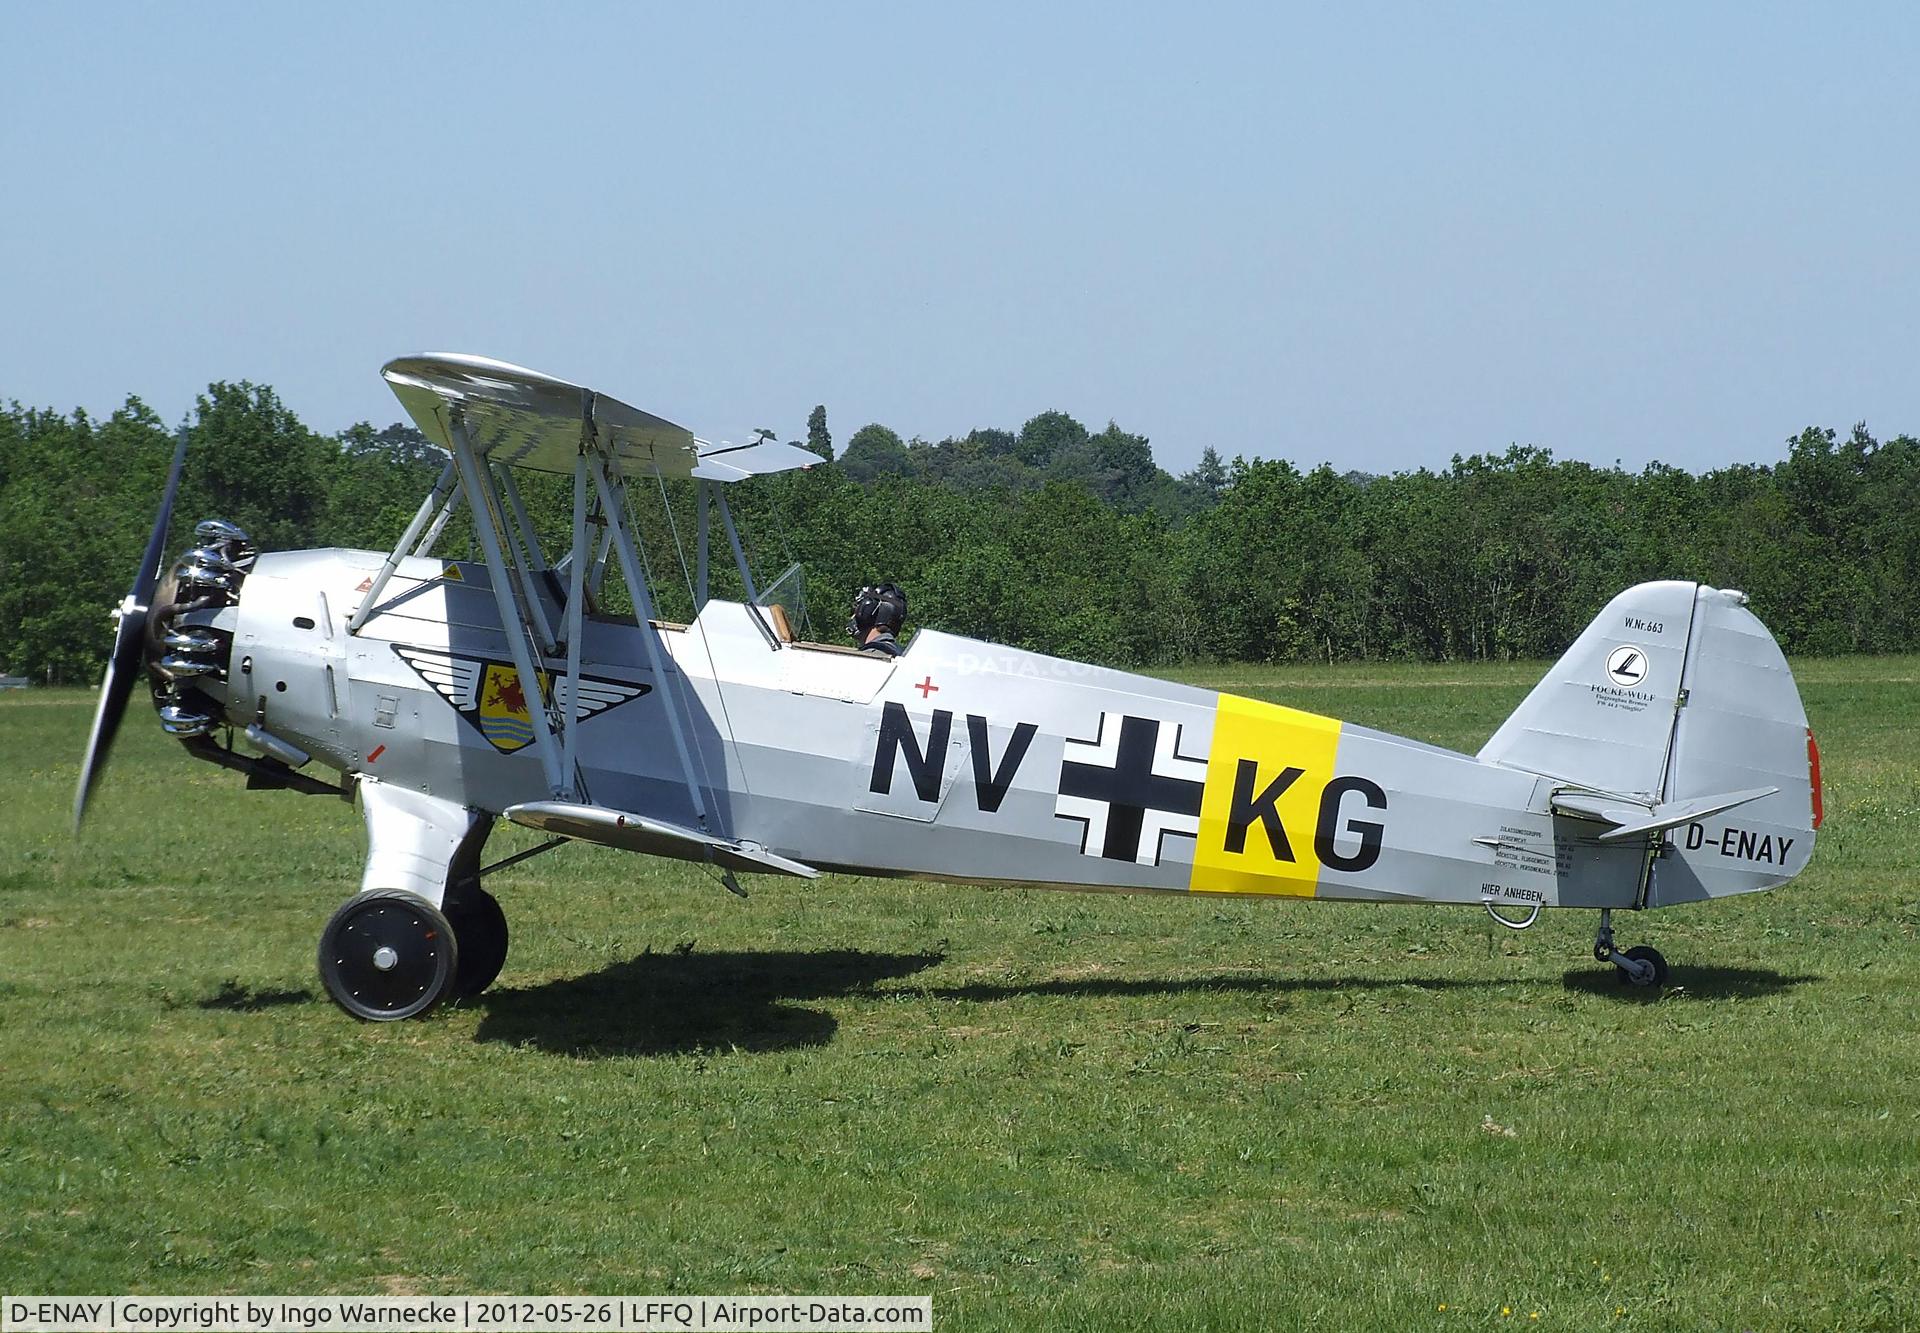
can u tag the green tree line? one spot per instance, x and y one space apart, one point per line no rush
1052 536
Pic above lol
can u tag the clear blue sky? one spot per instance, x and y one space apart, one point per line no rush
1373 235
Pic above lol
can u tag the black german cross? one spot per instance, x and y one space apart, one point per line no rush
1130 788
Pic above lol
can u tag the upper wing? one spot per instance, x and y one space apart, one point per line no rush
525 419
731 462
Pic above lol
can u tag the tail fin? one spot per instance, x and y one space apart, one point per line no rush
1602 718
1676 699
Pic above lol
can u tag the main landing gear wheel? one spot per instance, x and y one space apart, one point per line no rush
387 955
481 929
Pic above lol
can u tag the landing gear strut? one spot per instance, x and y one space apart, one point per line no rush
1641 965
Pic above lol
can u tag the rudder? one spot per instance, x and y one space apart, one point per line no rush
1742 726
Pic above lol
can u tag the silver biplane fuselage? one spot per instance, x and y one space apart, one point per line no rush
1664 759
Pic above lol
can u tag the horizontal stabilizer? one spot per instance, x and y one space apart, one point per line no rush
655 837
1631 820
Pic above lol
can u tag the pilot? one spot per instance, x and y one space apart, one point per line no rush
878 612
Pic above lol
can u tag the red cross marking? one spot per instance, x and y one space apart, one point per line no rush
926 687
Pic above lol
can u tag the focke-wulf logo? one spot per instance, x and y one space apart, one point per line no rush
1627 666
489 694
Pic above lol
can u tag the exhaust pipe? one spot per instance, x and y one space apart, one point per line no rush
268 743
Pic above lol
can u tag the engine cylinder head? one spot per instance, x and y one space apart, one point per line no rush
212 557
229 540
190 640
178 665
184 722
185 661
194 576
210 530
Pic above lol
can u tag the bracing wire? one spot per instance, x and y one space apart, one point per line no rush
639 546
679 547
683 689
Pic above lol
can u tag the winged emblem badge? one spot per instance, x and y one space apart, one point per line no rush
490 696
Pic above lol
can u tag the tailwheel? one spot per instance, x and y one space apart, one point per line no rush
1652 970
1641 965
481 929
387 955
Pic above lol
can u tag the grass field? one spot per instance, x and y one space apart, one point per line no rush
1045 1110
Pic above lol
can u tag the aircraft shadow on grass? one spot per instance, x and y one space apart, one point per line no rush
1699 983
1093 987
683 1001
237 997
1706 983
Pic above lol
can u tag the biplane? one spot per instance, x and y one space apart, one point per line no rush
1664 759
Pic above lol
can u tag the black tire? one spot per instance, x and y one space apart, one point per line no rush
1646 953
388 955
481 928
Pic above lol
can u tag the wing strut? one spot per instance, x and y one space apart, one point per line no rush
425 512
513 624
649 634
527 558
523 526
432 534
703 491
746 574
739 556
576 602
601 550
